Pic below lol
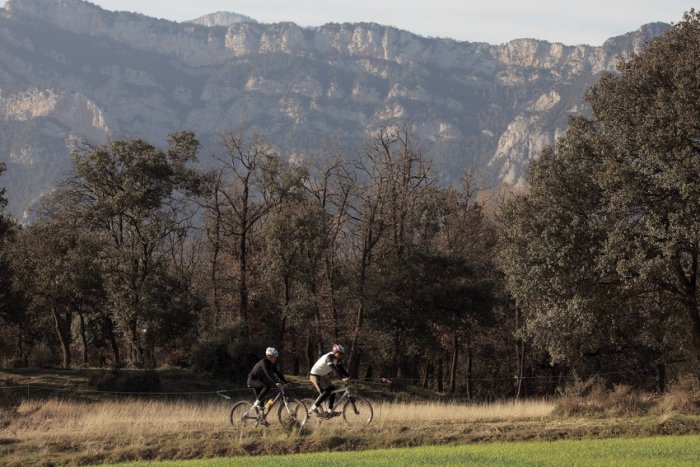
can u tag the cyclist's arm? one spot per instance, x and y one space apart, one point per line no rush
279 374
270 380
338 368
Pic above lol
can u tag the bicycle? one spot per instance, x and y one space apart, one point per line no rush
356 410
291 412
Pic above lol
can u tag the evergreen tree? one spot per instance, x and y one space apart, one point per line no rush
602 253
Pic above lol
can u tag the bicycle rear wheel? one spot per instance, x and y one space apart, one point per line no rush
293 414
358 411
242 414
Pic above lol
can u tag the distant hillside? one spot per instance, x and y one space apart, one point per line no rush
71 70
222 18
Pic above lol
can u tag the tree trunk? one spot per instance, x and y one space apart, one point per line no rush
398 360
62 324
65 348
136 351
520 354
453 367
689 286
440 383
243 293
331 296
320 350
285 311
428 372
695 318
283 330
354 365
470 360
114 344
520 351
152 351
83 338
353 361
20 347
313 286
216 248
243 256
661 371
310 360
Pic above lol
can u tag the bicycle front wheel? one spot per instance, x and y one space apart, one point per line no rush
242 414
292 414
358 411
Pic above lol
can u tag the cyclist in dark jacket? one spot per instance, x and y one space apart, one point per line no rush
261 376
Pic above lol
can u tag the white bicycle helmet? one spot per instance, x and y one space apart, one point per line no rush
337 348
272 352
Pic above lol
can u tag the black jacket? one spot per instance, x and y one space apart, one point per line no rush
263 371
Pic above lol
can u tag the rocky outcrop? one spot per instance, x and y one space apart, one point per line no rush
221 18
199 43
489 107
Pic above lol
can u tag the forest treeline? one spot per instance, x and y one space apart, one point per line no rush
142 258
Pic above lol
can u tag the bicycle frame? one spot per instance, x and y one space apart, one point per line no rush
280 396
341 395
351 407
280 400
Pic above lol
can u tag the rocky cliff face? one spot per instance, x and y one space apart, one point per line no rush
222 18
70 70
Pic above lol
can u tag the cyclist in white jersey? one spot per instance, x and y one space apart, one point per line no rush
320 378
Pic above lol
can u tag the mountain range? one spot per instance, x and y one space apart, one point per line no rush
71 71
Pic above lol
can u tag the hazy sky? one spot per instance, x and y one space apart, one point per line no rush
492 21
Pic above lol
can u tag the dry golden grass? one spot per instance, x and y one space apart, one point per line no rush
68 432
111 430
420 412
54 420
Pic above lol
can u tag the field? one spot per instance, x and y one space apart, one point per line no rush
656 451
83 432
94 429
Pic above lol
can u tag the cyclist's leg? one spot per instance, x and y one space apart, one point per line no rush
262 395
331 397
323 396
320 383
260 389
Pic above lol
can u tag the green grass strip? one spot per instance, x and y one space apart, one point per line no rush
655 451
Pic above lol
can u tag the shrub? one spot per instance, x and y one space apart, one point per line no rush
591 398
683 397
580 398
176 358
126 381
9 400
624 400
228 354
211 357
14 362
42 356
